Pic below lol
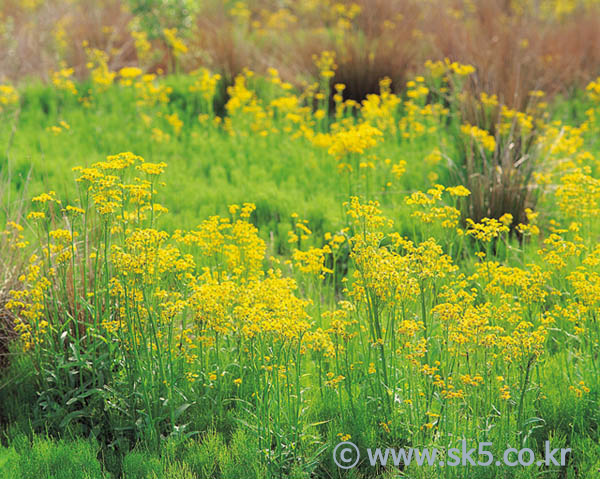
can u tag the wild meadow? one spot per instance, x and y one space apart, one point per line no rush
217 270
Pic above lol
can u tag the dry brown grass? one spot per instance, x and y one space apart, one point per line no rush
516 54
384 42
36 41
500 182
224 46
513 53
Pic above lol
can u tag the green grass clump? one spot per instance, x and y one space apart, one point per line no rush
50 459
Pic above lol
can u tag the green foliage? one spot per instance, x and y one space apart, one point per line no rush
154 15
48 459
86 384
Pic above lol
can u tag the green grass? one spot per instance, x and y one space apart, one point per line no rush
208 169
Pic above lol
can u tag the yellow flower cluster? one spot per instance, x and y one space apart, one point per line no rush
8 97
482 137
176 43
63 80
355 140
100 73
205 83
593 89
28 304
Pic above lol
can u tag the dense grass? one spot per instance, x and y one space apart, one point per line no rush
207 170
85 398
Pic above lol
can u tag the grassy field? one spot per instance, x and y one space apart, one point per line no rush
213 276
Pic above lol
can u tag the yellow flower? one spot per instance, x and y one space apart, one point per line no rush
487 141
49 197
75 210
325 62
8 96
205 83
152 169
174 41
62 80
458 190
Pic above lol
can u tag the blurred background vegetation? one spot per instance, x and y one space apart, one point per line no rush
515 45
